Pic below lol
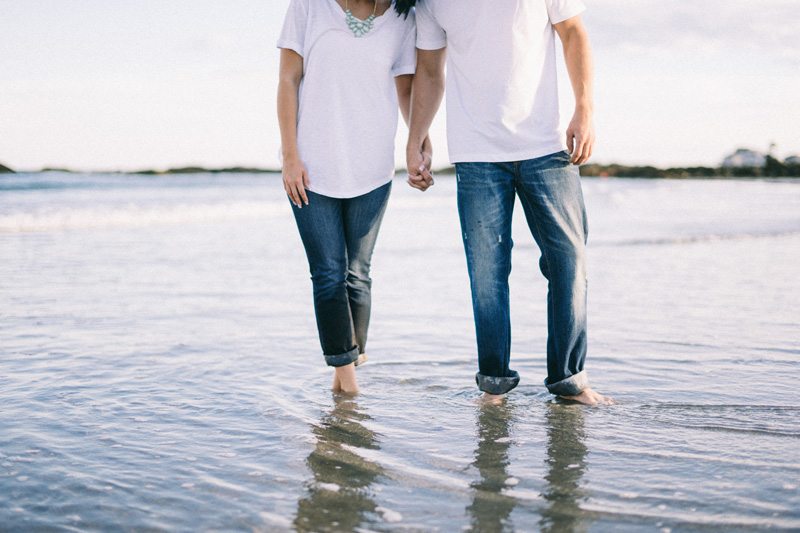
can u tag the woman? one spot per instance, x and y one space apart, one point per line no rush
345 67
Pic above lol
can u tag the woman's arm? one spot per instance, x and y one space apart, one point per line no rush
404 94
295 176
404 85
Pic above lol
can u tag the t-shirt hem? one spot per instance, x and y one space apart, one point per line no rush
291 45
431 45
488 157
331 193
404 71
574 12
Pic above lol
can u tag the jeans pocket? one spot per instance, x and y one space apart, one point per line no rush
562 158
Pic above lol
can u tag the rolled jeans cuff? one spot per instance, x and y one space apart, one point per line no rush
497 385
571 386
342 359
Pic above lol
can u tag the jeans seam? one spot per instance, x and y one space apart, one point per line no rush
471 254
546 256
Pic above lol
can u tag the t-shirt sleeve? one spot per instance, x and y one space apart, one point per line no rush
561 10
430 35
294 27
406 62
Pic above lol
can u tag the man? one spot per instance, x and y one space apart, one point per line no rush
504 138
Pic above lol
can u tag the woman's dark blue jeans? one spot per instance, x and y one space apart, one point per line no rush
339 235
549 189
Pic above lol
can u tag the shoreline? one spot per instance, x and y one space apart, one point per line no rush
774 170
442 173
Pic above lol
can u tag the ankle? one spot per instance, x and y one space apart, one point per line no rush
346 378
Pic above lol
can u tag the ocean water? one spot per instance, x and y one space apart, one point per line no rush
159 366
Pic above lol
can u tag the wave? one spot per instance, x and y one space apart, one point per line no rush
753 419
134 216
692 239
46 185
59 181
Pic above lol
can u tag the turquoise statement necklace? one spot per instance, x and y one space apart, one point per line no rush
359 27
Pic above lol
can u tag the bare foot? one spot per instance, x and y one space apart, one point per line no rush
589 397
492 399
362 358
344 380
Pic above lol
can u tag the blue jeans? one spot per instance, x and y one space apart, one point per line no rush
339 235
549 189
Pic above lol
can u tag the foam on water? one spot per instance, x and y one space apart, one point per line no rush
132 216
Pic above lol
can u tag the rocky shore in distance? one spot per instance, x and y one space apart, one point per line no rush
771 169
202 170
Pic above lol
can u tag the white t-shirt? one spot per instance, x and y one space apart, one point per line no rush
348 113
502 88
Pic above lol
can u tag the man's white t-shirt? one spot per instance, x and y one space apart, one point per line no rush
502 86
348 111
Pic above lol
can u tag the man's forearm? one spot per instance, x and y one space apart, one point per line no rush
578 57
426 97
580 135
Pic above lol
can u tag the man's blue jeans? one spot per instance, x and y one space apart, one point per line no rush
549 189
339 235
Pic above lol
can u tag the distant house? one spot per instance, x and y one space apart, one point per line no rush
793 160
744 158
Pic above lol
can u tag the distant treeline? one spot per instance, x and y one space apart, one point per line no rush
201 170
153 172
772 169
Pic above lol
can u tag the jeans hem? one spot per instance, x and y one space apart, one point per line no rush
497 385
571 386
342 359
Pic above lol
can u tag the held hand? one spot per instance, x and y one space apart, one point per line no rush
580 137
419 166
295 181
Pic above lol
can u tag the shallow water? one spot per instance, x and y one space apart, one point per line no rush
159 366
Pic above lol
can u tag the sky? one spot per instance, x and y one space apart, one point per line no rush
132 84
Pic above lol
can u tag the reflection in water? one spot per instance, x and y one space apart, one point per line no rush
566 463
338 497
491 508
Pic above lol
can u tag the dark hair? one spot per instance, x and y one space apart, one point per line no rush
403 7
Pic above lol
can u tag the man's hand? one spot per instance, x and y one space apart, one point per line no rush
295 181
419 161
580 137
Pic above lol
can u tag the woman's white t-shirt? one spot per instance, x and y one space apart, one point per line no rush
502 87
348 112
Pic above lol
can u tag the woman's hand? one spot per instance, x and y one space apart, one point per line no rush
295 181
419 166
